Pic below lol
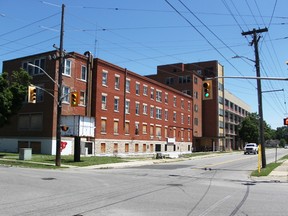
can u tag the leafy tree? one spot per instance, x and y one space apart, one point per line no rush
249 129
13 91
282 133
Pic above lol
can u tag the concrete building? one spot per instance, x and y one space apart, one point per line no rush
133 114
235 110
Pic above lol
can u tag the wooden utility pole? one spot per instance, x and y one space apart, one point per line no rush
59 101
254 42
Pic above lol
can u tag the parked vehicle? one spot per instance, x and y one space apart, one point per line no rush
251 148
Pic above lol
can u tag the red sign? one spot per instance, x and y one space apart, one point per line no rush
63 145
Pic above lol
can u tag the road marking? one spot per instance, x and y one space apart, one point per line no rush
215 205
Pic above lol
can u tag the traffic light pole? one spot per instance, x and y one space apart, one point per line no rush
59 101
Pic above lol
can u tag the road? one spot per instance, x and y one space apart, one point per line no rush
218 185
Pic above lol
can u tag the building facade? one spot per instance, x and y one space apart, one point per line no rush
133 114
235 111
208 115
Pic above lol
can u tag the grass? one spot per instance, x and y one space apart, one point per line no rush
269 168
48 161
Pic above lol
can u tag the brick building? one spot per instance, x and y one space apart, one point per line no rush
133 114
208 115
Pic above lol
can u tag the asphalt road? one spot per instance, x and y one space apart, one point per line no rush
205 186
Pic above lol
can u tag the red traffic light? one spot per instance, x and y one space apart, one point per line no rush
285 121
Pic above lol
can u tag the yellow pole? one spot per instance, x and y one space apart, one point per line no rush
259 158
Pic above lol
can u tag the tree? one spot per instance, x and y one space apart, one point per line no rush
249 129
13 91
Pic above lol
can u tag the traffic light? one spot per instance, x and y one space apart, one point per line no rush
207 90
286 121
32 94
74 99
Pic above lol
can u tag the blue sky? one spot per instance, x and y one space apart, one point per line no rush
139 35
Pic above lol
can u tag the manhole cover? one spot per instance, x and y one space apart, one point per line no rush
48 178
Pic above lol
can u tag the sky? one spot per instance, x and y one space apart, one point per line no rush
140 35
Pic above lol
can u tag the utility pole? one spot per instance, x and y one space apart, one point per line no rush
254 42
59 101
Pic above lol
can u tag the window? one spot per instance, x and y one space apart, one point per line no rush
195 107
82 98
196 94
83 73
136 147
136 128
127 107
137 108
104 102
152 94
117 82
169 80
182 118
151 130
103 125
137 89
182 104
31 122
116 127
158 96
166 98
144 129
158 131
127 127
174 101
195 121
195 80
158 113
174 116
116 104
151 112
127 85
145 90
145 109
65 93
67 69
104 78
189 120
166 115
189 105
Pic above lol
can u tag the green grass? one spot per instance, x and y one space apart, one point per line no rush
266 171
48 161
269 167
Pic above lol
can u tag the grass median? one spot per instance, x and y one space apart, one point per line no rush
269 167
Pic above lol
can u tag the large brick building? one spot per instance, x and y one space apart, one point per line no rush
208 115
133 114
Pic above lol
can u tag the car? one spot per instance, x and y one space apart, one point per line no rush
286 146
251 148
